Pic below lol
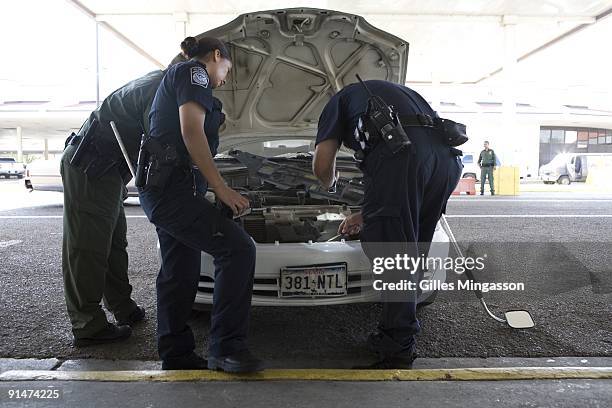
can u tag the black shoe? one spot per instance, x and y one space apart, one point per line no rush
110 334
189 362
240 362
492 192
136 316
398 361
481 193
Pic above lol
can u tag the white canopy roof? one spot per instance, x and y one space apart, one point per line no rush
457 49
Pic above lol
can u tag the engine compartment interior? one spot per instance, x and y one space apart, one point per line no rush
287 215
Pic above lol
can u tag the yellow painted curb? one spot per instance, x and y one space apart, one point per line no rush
453 374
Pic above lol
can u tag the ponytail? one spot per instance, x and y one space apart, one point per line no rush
197 48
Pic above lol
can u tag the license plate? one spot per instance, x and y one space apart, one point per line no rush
313 281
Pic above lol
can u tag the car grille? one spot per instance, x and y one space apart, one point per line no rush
268 287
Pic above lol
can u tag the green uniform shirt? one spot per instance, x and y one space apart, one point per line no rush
129 107
487 158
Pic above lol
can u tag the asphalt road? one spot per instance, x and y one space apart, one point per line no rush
558 244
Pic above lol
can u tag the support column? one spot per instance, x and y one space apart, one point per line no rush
46 151
97 64
436 91
19 136
181 19
510 146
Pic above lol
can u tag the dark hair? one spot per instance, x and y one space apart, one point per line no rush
197 48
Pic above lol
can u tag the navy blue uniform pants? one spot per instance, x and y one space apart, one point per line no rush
405 196
187 224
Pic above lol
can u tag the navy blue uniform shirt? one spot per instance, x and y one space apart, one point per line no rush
339 117
184 82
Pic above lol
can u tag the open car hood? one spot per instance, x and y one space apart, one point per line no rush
287 63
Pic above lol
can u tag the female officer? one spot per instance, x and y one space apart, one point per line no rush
187 223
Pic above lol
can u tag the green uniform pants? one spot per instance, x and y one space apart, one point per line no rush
486 172
94 256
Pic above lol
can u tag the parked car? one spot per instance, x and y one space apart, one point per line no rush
10 167
565 168
287 64
470 167
44 175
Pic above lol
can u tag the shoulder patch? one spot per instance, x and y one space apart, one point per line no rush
199 77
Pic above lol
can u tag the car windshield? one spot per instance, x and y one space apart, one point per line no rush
283 148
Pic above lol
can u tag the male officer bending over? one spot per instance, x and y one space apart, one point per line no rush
405 193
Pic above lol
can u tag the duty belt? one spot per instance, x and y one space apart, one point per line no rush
419 120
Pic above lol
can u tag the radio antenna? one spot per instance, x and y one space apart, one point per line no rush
373 97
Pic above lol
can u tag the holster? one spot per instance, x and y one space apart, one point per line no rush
91 156
451 133
156 162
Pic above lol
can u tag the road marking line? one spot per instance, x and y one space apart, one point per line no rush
26 217
5 244
529 216
452 374
527 200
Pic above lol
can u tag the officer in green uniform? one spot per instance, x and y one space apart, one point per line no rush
94 175
94 255
487 161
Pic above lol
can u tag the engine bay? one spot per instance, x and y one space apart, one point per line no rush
287 213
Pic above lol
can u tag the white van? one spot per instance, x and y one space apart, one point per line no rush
567 167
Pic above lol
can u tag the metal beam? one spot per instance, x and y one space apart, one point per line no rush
546 45
117 33
527 18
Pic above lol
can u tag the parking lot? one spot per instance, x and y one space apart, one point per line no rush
570 230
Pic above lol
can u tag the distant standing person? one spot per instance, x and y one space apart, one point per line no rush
487 161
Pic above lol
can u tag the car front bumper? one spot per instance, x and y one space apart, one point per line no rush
271 258
549 177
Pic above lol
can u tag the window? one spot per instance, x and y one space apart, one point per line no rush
592 137
609 137
583 139
601 138
571 136
544 135
557 136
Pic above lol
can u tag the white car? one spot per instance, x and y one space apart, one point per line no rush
470 165
10 167
44 175
286 65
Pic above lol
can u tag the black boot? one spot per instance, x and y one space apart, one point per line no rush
401 360
240 362
110 334
189 362
136 316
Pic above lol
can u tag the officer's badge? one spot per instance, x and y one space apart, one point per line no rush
199 77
